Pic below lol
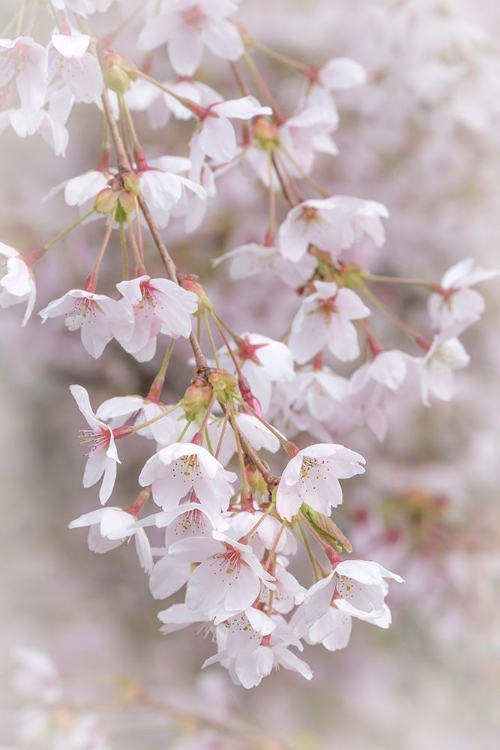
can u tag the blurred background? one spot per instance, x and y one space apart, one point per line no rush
421 136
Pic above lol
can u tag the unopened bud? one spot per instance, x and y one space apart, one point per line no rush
106 200
191 284
266 133
224 385
256 481
118 72
196 401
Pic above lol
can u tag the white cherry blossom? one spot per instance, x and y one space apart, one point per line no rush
321 391
338 74
180 468
79 69
163 190
109 528
188 27
26 62
158 306
388 368
98 317
312 477
324 320
263 361
102 457
17 283
331 224
228 579
459 301
216 137
83 7
120 408
254 259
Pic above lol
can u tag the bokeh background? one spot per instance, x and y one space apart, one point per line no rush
423 137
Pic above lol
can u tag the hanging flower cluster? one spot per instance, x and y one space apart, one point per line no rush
235 497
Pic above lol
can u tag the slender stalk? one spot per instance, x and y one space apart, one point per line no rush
237 436
411 282
263 88
289 61
92 279
188 103
124 247
211 338
157 384
69 229
413 335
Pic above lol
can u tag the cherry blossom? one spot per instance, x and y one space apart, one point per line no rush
324 320
435 370
79 69
228 579
254 259
17 283
102 457
249 661
312 477
217 137
388 368
180 468
98 317
158 306
459 301
26 61
263 362
164 190
121 408
331 224
109 528
321 391
190 26
338 74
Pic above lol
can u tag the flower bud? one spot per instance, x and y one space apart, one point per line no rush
118 72
106 200
224 385
266 134
191 284
256 481
196 401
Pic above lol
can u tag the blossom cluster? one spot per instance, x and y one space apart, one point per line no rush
235 497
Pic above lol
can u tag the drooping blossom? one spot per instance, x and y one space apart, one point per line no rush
459 301
338 74
254 259
263 362
17 283
188 28
79 69
324 320
120 408
312 477
158 306
331 224
165 190
102 458
109 528
26 62
228 578
98 317
180 468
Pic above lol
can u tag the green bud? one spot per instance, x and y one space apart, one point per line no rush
224 385
326 529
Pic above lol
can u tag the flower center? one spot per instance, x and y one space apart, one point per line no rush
194 16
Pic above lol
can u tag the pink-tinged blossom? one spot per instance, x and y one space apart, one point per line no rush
26 62
109 528
102 457
303 136
459 301
331 224
36 676
159 306
257 434
324 320
263 361
228 578
98 317
248 661
321 391
120 408
355 588
435 371
216 136
146 97
388 368
312 477
80 189
180 468
165 190
254 259
189 27
79 69
17 283
338 74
